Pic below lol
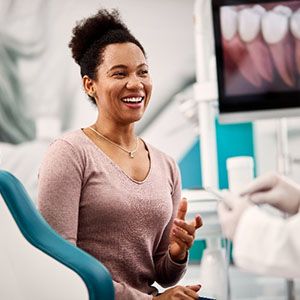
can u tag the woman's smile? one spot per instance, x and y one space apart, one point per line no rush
133 101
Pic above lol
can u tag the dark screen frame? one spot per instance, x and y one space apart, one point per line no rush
250 102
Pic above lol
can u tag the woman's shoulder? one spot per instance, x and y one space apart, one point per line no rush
75 139
69 142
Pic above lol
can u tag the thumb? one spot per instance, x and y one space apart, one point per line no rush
263 183
195 287
262 197
182 209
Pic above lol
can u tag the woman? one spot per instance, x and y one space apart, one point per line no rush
105 189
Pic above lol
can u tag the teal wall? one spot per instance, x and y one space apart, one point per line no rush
232 140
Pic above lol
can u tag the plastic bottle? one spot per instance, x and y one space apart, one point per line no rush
214 271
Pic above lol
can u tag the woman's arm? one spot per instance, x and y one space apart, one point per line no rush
60 182
169 272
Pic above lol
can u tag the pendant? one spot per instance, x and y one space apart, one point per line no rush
131 154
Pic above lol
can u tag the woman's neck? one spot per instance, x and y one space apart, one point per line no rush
122 135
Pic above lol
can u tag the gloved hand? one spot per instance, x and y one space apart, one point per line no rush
276 190
230 210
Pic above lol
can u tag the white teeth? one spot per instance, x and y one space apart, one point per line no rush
133 100
283 10
274 26
249 24
295 24
259 9
228 22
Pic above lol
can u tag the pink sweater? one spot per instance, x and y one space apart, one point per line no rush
122 222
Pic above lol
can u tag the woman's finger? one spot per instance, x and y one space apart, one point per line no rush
191 293
195 287
183 236
190 228
182 209
197 223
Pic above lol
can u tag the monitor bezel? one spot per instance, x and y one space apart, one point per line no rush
248 107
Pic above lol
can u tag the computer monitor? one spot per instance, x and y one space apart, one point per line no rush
257 47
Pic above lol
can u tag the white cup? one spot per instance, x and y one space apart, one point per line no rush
240 171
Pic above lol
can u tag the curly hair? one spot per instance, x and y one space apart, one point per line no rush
93 34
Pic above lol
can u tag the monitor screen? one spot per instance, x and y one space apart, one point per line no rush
258 58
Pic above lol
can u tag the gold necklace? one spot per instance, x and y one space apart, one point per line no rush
131 153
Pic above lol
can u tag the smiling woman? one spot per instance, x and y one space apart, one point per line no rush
105 189
122 87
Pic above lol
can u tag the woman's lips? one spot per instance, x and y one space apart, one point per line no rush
133 102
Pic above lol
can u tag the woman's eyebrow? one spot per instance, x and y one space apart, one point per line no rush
117 67
143 65
125 67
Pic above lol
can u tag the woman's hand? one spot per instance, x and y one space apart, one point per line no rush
182 233
180 292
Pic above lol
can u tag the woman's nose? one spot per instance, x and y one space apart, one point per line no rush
134 83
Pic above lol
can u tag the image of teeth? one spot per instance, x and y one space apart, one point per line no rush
249 28
228 23
295 30
236 54
229 31
276 33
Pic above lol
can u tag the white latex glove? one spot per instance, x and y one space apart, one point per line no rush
276 190
230 210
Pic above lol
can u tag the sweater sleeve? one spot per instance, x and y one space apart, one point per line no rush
268 244
123 291
60 181
168 272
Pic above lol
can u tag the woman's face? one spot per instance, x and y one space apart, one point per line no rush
123 85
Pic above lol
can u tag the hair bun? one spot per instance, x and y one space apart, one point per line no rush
92 29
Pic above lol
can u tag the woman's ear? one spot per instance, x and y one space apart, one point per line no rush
88 85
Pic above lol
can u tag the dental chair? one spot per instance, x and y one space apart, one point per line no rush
38 264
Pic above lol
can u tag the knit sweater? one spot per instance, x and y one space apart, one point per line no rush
89 200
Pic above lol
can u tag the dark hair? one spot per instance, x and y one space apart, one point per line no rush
92 35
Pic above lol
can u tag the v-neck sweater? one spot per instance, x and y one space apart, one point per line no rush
124 223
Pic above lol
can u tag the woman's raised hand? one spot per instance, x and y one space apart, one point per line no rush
182 233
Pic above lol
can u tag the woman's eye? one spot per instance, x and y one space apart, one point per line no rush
119 74
144 72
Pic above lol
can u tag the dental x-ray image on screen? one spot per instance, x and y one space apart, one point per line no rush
258 58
